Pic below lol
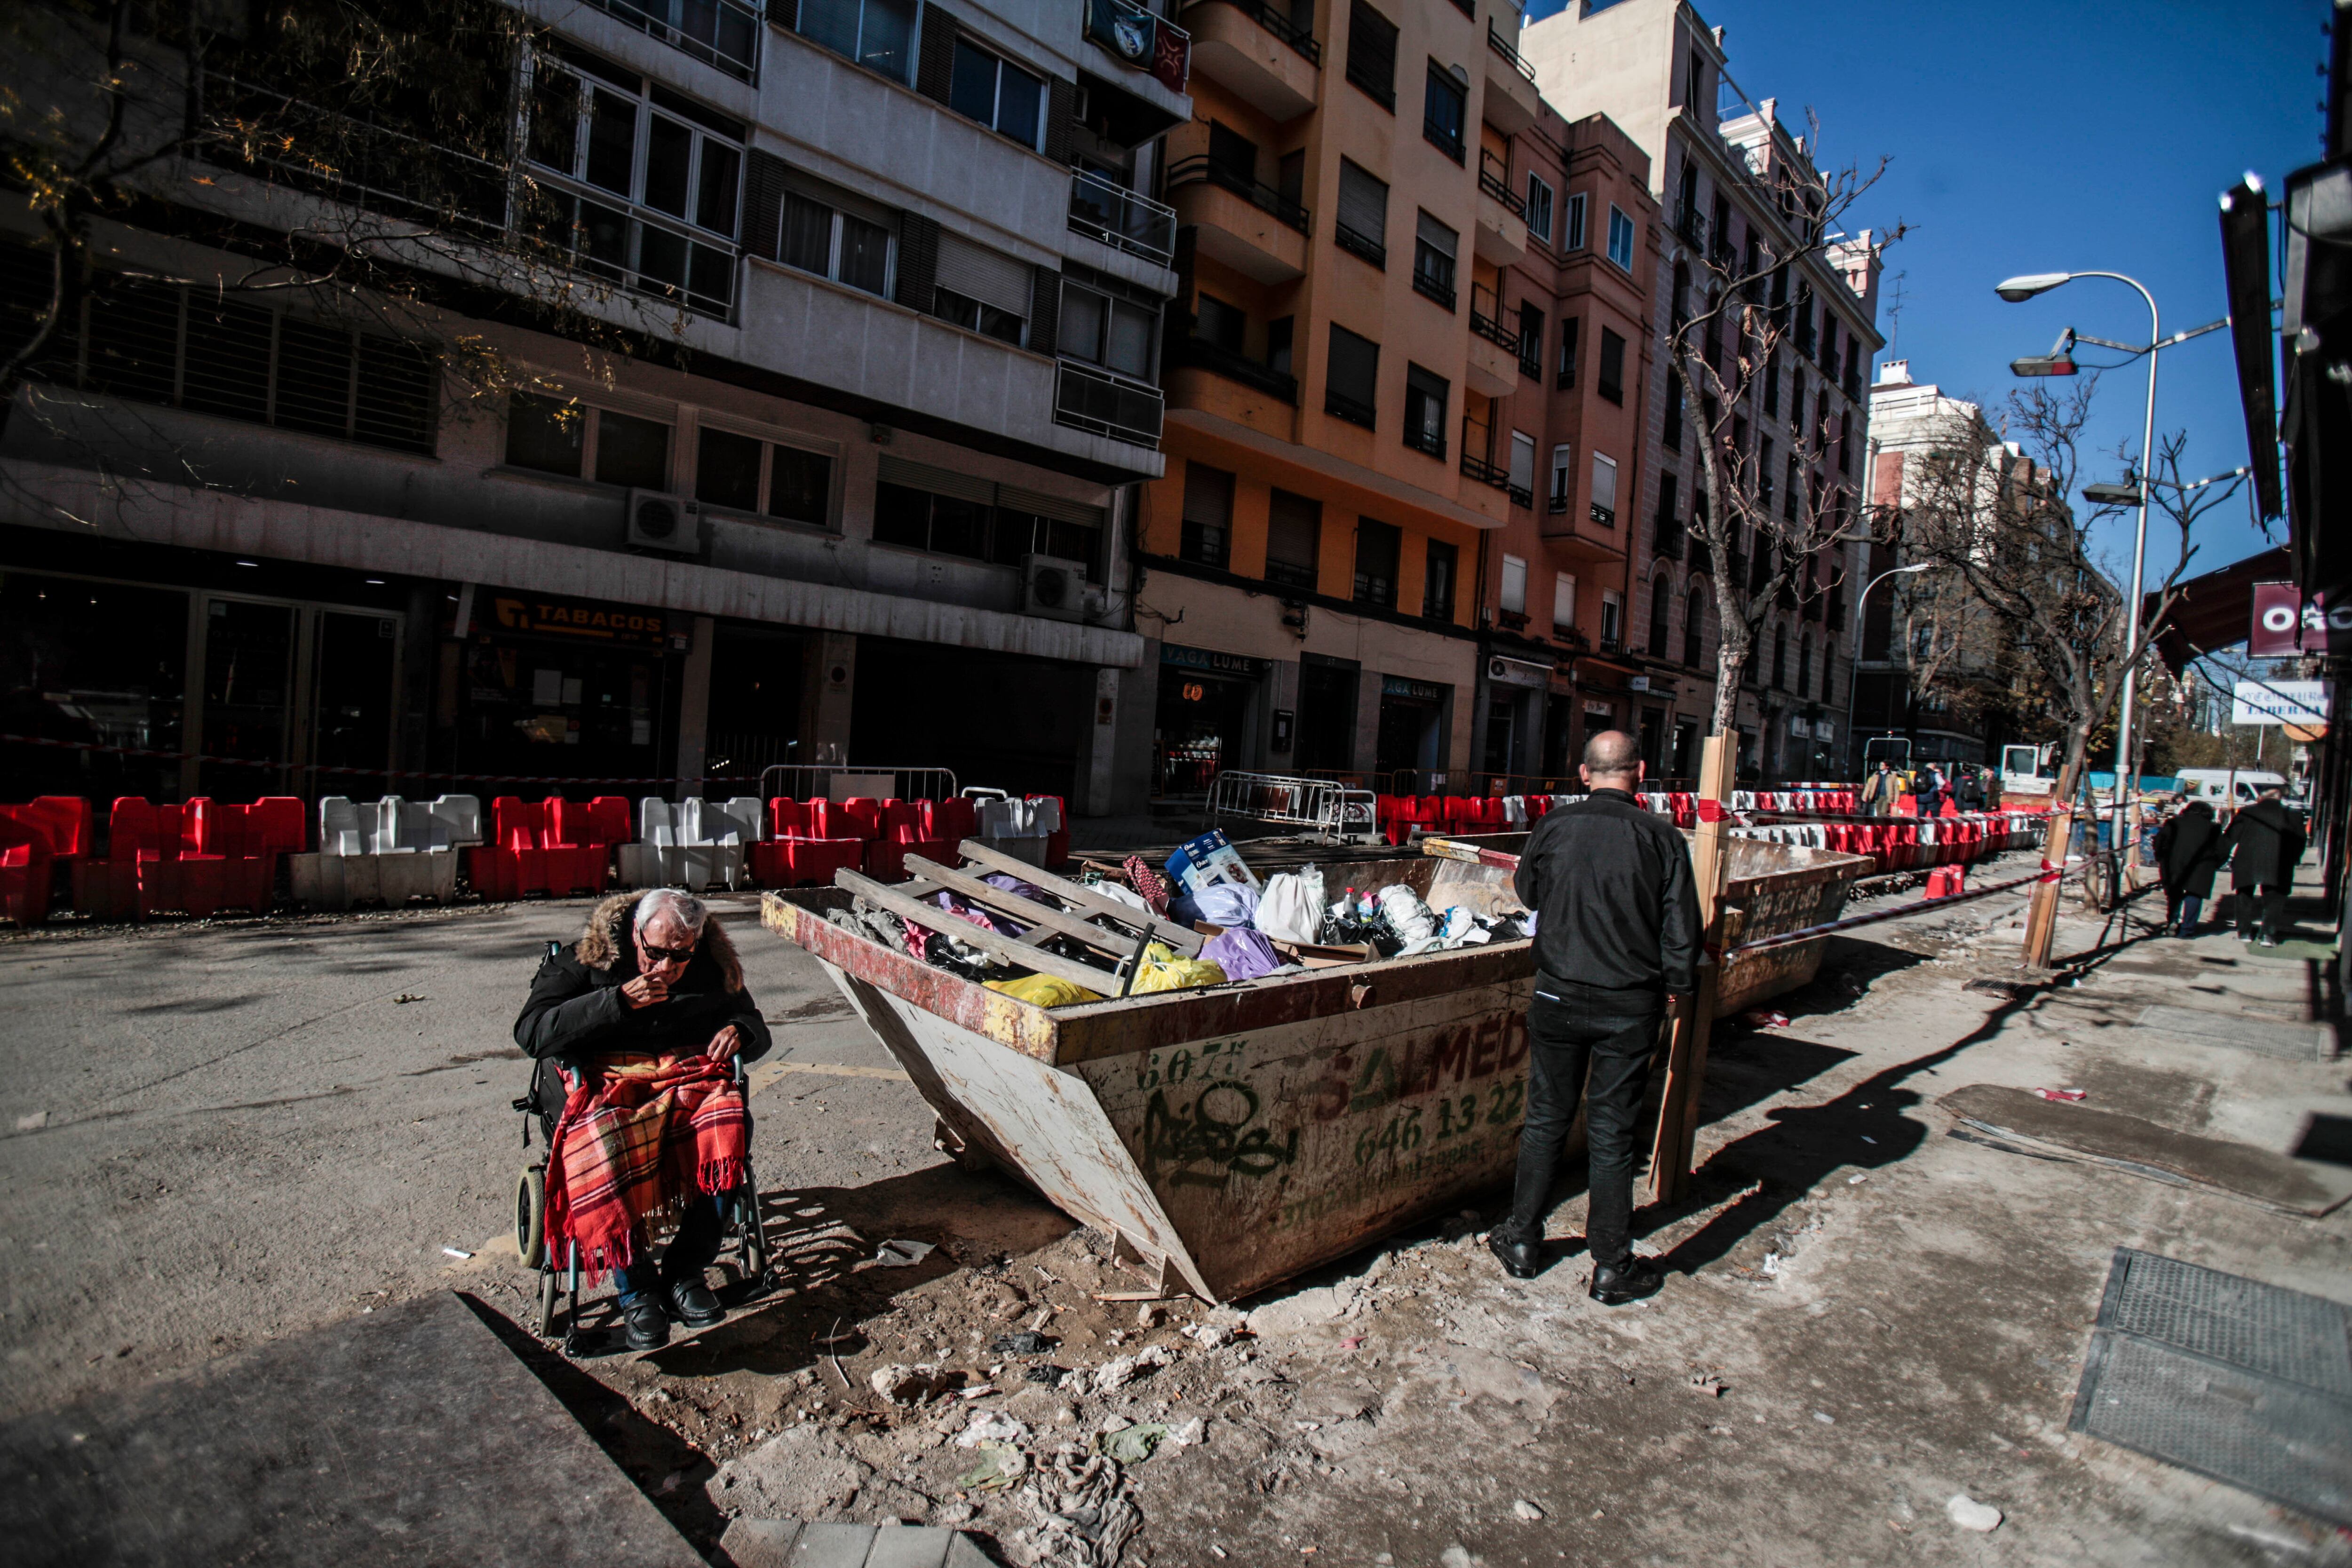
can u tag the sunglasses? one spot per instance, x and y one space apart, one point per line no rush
664 954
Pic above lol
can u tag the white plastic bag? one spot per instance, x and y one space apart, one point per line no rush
1291 908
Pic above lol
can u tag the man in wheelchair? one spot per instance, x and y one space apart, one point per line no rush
644 1018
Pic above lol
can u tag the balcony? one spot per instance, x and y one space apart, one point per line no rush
1361 244
1667 540
1096 401
1198 354
1250 227
1431 441
1477 441
1692 225
721 33
1252 49
1570 532
1354 410
1512 101
1500 234
1494 362
1121 218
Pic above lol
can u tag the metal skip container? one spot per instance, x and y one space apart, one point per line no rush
1233 1136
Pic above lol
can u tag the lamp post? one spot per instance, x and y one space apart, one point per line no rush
1861 601
2018 289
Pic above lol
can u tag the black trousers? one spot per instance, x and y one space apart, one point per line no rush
2260 907
1593 1046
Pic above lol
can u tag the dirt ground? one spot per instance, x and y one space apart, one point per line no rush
1866 1317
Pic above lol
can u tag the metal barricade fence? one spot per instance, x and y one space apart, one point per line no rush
1333 808
847 781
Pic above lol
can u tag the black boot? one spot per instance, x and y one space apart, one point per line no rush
1614 1284
1521 1255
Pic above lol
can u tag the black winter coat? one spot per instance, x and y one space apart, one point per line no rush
2189 850
576 1010
2264 844
1615 903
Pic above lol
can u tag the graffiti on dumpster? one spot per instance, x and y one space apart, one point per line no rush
1218 1128
1477 1049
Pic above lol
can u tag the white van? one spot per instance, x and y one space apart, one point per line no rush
2228 788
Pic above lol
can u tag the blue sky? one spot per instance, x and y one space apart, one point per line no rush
2054 136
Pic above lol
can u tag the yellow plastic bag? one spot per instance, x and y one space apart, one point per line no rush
1163 971
1045 990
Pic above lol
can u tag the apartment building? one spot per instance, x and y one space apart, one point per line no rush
1718 162
842 464
1311 558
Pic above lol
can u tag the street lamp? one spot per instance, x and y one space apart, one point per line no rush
2014 290
1860 600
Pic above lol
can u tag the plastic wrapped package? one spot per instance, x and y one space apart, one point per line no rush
1291 908
1163 971
1227 904
1242 953
1045 990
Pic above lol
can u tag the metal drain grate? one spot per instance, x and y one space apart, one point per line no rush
2231 1378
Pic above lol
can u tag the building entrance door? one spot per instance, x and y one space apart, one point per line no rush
1326 715
1200 730
289 689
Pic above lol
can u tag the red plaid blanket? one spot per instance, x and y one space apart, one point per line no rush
638 1136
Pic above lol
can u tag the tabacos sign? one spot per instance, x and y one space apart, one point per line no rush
2287 624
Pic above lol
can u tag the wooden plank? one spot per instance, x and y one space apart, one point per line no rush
1670 1154
1098 980
1027 911
1186 944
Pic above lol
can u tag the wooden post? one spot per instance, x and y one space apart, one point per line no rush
1670 1153
2042 913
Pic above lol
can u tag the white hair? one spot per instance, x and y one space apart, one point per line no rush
684 907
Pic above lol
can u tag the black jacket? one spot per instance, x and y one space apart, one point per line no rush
1615 904
2189 850
2265 843
1968 794
576 1010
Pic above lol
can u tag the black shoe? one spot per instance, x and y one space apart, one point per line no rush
691 1303
1521 1258
644 1325
1614 1284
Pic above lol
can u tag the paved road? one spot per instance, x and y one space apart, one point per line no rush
211 1136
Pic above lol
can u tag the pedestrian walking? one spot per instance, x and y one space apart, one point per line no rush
1616 937
1930 790
2188 853
2265 843
1968 794
1879 790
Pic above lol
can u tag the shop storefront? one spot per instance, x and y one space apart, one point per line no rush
1411 740
1515 690
1207 718
558 688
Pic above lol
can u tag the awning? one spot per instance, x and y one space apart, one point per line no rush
2217 609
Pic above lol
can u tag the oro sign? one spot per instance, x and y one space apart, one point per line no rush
2287 624
2300 704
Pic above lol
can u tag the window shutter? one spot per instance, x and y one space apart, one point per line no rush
935 67
918 260
1061 108
1045 308
1355 363
897 471
1363 202
1437 237
988 276
1013 498
763 201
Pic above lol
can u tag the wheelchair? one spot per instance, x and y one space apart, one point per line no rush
743 1244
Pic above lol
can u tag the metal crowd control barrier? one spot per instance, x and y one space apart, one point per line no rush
849 780
1331 809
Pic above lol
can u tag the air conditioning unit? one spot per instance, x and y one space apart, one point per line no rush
667 522
1054 588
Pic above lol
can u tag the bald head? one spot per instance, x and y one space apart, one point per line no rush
1610 760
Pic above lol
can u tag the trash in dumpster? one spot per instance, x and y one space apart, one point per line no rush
1291 908
1208 860
1163 971
1242 953
1045 990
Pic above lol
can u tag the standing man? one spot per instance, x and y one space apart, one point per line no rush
1879 790
1968 794
2265 843
1930 790
1616 936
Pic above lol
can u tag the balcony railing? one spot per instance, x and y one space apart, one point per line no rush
1339 406
1692 226
1487 318
1122 218
1502 46
1434 284
1425 440
721 33
1558 506
1201 354
1201 168
1085 398
1361 244
1495 179
1606 516
1512 620
1480 469
1280 25
1666 541
1521 495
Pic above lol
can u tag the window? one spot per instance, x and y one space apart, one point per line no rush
951 513
1208 515
1764 473
1669 501
1377 547
1523 468
982 290
1673 434
1829 342
1572 236
1539 209
1279 333
1371 54
1218 322
1564 604
1294 541
1804 663
1853 369
997 93
1780 658
1620 238
1604 491
675 169
1437 582
1611 384
1661 597
1444 103
631 451
545 434
729 469
1693 613
1568 325
1515 585
555 437
1424 410
1531 337
1612 617
1772 382
1102 326
1363 222
1562 457
827 234
1433 249
876 33
1788 496
1351 374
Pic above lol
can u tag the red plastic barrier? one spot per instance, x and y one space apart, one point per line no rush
25 868
532 850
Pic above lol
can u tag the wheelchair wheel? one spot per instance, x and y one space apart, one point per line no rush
531 1215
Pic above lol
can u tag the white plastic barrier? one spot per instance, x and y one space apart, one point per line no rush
1016 827
690 844
389 850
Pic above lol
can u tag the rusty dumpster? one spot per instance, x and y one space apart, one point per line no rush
1231 1136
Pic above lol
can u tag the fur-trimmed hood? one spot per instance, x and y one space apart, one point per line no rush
606 934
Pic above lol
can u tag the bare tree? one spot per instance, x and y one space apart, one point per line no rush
1742 317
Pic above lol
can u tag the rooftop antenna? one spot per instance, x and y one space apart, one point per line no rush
1895 310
